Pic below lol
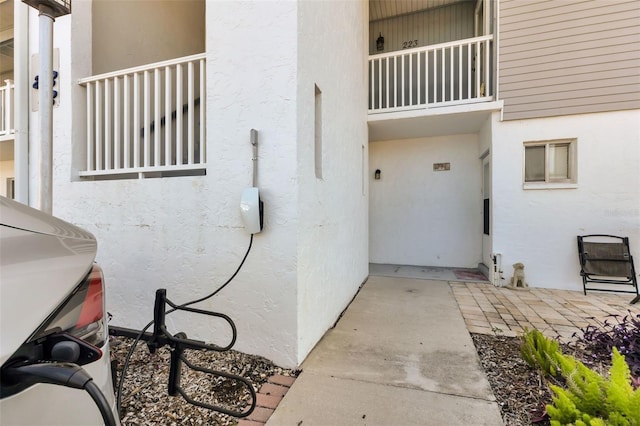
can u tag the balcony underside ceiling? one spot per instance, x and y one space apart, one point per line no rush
441 121
6 15
6 36
382 9
6 150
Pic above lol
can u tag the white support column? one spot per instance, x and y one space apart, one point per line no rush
21 101
45 98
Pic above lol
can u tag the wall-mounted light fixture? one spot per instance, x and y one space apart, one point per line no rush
377 174
380 43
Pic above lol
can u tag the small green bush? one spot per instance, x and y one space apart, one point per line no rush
539 351
588 399
591 399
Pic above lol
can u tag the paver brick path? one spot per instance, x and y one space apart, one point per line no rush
487 309
268 398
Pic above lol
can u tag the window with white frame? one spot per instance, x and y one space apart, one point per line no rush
550 162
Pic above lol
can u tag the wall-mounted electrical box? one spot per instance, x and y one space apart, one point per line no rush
251 209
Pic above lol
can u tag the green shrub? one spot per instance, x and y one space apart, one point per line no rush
591 399
588 399
541 352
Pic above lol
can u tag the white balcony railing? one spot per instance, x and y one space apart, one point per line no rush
7 110
146 119
438 75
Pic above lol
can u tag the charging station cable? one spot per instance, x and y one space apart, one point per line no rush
64 374
127 360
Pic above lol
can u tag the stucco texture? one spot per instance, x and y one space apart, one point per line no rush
424 217
539 227
332 217
185 233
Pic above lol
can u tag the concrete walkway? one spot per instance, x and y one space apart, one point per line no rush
400 355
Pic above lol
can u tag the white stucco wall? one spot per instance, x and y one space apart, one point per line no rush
185 233
422 217
539 227
332 211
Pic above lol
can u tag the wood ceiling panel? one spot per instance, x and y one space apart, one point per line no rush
382 9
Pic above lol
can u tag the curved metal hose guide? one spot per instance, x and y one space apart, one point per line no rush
179 342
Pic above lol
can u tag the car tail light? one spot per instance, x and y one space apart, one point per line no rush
82 314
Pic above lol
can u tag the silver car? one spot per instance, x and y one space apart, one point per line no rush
54 343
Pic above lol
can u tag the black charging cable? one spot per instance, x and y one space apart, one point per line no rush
64 374
125 367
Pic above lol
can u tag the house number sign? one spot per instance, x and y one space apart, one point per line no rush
409 44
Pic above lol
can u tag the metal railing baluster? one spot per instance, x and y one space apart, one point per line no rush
166 119
448 80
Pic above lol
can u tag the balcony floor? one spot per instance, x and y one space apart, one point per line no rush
428 122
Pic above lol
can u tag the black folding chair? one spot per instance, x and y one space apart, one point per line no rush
606 264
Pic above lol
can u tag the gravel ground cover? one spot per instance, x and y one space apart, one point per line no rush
518 388
520 392
145 400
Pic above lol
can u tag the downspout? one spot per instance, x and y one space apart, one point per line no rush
475 18
21 101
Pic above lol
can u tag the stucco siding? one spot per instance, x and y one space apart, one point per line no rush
419 216
568 57
538 227
185 234
332 237
484 140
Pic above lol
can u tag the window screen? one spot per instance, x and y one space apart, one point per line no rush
534 164
559 161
